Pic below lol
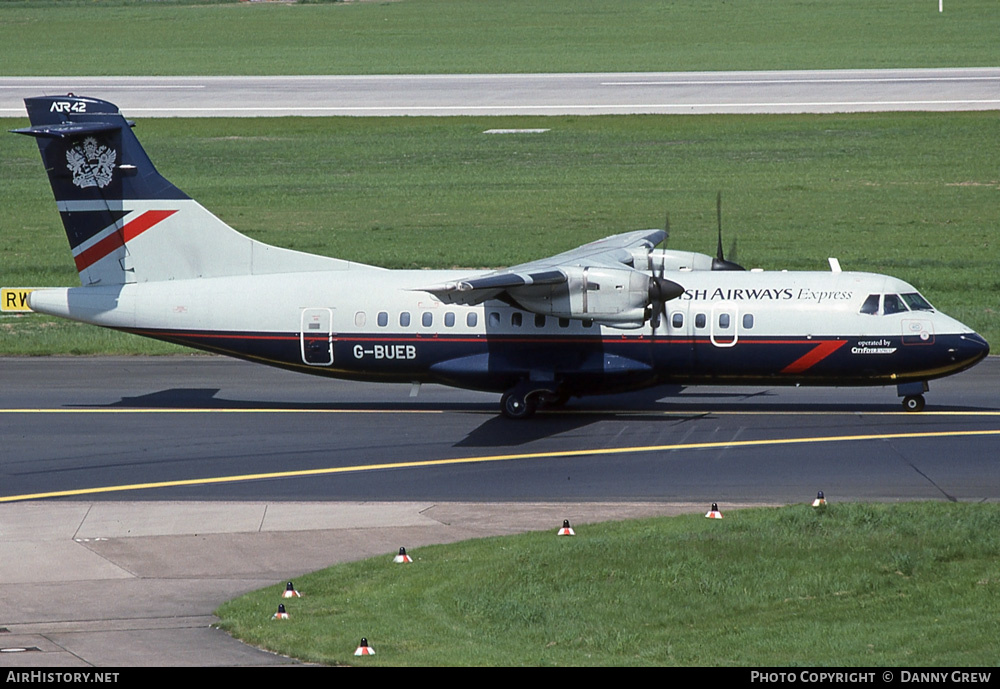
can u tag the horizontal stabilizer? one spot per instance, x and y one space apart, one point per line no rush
67 129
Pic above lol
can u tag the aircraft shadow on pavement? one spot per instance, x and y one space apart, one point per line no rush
205 398
657 405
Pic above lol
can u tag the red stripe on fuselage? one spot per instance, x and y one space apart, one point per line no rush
814 356
130 231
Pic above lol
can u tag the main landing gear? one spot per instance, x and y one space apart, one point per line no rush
523 401
913 395
517 405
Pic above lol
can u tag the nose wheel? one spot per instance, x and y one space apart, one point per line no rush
912 394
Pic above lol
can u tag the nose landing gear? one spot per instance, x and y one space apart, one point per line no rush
913 395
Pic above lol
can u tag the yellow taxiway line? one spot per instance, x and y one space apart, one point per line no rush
502 458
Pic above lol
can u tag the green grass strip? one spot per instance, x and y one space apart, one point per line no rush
109 37
852 585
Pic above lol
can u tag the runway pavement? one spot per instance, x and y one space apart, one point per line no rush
816 91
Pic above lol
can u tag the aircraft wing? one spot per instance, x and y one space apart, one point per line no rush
615 253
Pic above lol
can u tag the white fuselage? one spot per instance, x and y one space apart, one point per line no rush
785 327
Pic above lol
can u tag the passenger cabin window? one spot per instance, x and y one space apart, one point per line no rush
563 322
870 306
516 318
699 320
494 320
359 319
724 321
677 320
748 321
539 320
383 319
449 319
471 319
404 319
427 319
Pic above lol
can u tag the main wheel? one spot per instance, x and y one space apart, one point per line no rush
913 403
513 406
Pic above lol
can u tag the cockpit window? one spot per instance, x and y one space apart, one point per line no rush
870 306
893 304
917 302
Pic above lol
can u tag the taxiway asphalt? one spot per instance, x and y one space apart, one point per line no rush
200 427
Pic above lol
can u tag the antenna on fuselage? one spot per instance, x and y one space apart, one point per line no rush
720 262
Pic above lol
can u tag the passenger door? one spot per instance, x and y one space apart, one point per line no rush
316 336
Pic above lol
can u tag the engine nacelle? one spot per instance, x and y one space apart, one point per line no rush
611 296
665 260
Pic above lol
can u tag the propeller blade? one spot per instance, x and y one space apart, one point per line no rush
661 291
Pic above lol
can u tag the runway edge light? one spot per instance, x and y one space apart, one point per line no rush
364 649
402 557
290 591
820 501
566 529
281 614
714 513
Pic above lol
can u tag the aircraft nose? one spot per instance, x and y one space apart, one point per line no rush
974 348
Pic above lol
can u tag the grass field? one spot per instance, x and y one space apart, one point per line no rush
911 195
102 37
856 585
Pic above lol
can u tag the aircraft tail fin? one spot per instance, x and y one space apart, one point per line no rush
125 222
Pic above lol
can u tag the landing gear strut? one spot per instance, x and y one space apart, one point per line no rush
553 400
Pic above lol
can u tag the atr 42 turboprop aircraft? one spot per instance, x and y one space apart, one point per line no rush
612 315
